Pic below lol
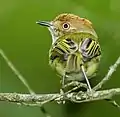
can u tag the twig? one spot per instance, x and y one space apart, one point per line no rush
108 76
21 78
38 99
27 98
16 72
97 95
114 103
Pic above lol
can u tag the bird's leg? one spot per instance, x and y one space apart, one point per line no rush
62 89
63 81
62 86
88 83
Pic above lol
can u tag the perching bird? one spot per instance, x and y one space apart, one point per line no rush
75 51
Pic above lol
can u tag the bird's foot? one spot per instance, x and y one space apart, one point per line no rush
90 92
61 99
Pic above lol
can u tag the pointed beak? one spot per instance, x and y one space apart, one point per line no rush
44 23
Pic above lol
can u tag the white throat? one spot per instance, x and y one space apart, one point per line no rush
54 38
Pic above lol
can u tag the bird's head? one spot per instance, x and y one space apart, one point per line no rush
66 24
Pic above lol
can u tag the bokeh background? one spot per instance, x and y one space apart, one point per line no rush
27 44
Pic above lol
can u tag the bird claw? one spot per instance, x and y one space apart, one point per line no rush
90 92
61 99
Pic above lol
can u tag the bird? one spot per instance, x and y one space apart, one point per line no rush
75 51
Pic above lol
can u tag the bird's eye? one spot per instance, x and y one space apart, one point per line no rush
66 26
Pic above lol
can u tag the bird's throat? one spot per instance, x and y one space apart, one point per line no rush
54 37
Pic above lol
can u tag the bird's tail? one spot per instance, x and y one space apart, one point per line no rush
73 62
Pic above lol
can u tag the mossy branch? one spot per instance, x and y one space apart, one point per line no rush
40 99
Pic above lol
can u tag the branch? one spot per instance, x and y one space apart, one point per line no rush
27 98
97 95
108 76
21 78
39 99
16 72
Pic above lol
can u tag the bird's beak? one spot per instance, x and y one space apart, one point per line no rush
44 23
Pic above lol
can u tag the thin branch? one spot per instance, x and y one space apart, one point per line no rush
39 99
27 98
21 78
109 74
16 72
97 95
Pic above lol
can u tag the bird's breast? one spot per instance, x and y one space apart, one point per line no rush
68 53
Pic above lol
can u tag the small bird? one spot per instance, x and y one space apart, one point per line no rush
75 51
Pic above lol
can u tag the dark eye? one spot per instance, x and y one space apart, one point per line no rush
66 26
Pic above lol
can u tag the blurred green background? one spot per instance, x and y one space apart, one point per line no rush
27 45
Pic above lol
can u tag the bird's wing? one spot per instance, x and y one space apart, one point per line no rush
63 48
90 48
